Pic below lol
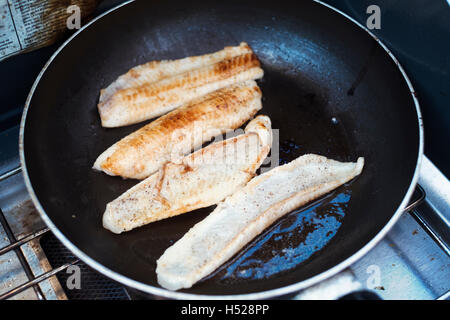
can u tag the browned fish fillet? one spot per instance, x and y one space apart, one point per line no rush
198 180
179 132
156 88
157 70
246 213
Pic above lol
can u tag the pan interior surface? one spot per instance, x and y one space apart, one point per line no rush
328 87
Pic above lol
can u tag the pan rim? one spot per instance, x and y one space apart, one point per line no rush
256 295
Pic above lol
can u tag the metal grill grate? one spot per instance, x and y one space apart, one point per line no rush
93 284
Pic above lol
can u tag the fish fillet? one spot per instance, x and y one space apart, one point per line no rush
198 180
179 132
155 88
246 213
157 70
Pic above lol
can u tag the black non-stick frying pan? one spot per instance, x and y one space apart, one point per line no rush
330 87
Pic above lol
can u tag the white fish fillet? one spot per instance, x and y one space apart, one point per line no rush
157 70
246 213
198 180
179 132
155 88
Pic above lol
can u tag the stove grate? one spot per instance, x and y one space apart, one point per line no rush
93 285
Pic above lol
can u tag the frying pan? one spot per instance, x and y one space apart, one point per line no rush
330 87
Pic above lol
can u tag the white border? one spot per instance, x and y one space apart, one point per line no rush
259 295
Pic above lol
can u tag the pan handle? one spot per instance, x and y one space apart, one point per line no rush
344 285
361 295
340 285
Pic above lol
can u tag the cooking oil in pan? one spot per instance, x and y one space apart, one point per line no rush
290 241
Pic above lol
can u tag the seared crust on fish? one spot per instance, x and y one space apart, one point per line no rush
246 213
154 71
158 87
198 180
179 132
